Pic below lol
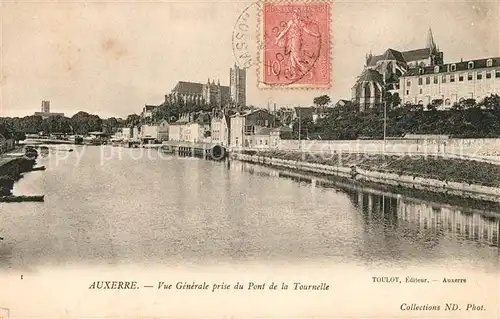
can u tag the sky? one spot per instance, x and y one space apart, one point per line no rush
112 57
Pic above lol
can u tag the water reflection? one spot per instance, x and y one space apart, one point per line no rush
197 211
416 217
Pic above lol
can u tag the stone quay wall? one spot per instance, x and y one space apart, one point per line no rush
427 184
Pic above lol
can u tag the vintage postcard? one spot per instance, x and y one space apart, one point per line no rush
249 159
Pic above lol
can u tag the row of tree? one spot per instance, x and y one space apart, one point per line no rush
79 124
464 119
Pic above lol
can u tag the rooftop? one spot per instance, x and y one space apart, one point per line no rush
370 75
405 56
458 66
193 87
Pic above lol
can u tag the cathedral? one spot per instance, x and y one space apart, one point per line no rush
382 72
212 93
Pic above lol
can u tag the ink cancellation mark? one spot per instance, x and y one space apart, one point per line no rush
295 50
242 39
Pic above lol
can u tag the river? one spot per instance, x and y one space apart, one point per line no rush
109 206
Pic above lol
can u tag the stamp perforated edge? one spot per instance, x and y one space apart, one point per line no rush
260 57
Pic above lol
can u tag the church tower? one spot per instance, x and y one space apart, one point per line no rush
430 41
237 86
436 55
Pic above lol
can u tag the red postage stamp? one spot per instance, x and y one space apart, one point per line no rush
295 50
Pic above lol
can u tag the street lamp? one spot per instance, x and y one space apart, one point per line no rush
299 129
385 124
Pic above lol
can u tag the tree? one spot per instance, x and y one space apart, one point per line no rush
110 125
322 100
83 123
133 119
306 126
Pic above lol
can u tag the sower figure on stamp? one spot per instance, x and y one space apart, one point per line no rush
294 39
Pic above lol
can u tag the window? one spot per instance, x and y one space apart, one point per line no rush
427 80
249 129
419 81
461 78
443 79
436 69
470 65
408 83
420 91
266 142
497 74
489 63
479 76
407 92
452 78
488 75
453 67
435 79
469 76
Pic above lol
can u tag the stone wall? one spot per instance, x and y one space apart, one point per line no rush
427 184
473 148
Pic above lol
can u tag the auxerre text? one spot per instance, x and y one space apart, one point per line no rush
416 280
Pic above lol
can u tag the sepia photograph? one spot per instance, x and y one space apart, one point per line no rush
241 159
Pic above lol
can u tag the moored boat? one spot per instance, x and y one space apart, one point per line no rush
19 199
30 152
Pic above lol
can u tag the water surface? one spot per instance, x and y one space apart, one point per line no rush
127 206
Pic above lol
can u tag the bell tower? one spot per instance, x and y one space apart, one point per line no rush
237 85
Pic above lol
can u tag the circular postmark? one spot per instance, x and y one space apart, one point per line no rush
244 38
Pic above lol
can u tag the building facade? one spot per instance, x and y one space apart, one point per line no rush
197 93
210 92
190 128
381 73
149 131
268 138
163 128
220 129
147 111
237 85
243 126
446 84
125 133
174 131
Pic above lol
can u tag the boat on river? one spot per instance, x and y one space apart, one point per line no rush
20 199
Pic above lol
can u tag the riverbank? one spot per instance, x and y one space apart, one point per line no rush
458 177
11 169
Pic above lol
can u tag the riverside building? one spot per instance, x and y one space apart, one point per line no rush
446 84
